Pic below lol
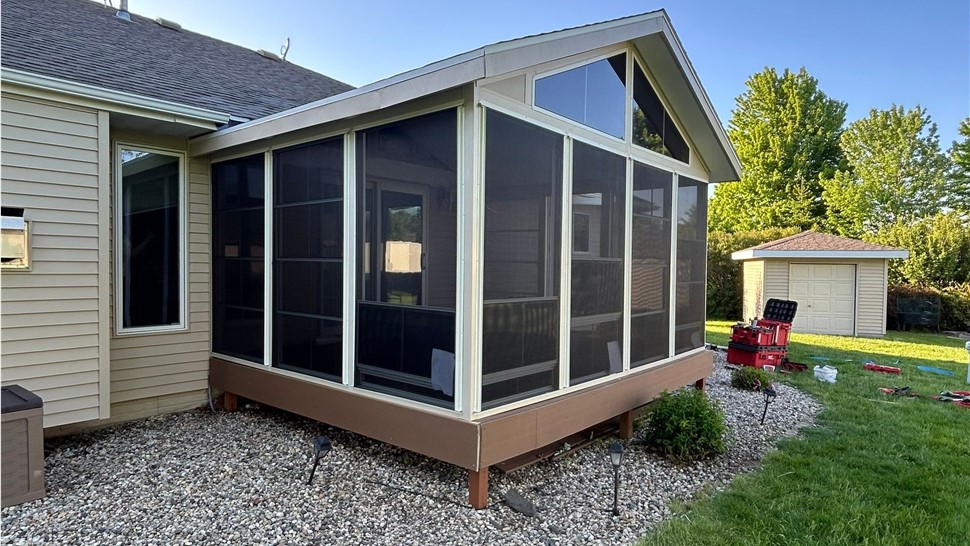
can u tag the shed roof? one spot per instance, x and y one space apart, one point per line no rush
84 42
812 244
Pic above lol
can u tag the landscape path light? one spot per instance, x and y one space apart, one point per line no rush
770 396
616 459
321 446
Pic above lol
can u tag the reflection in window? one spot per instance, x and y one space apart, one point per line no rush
237 258
150 228
308 259
650 286
691 264
592 94
653 128
407 190
596 324
523 223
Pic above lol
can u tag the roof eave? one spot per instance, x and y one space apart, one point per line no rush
753 254
178 113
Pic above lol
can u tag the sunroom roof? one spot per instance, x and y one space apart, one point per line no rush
651 33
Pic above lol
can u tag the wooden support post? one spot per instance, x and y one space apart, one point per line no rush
626 425
229 401
478 488
700 383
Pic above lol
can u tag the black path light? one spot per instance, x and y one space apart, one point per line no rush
321 446
770 396
616 459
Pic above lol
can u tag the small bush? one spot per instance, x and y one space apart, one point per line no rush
686 426
749 378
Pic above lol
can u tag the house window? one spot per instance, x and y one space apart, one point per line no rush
150 240
653 127
593 94
407 257
596 321
238 207
650 284
691 264
308 259
522 245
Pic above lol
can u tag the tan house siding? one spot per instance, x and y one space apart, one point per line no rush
164 372
754 282
871 298
51 315
776 279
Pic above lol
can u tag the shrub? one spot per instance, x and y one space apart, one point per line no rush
954 304
749 378
725 283
939 250
686 426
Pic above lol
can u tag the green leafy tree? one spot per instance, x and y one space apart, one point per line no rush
895 172
939 250
960 175
786 133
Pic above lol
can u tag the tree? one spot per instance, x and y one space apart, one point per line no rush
786 133
960 175
895 172
939 250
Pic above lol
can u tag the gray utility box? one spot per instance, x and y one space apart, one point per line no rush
23 446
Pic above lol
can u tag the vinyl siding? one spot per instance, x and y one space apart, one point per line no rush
871 285
51 314
754 282
168 371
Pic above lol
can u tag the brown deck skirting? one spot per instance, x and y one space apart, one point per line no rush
451 439
444 438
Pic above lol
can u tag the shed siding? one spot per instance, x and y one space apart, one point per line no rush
162 372
870 316
754 282
51 314
871 298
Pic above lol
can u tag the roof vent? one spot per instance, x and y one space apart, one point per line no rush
123 11
269 54
168 24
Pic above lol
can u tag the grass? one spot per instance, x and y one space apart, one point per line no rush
878 470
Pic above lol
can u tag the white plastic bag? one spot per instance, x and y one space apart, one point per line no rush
825 373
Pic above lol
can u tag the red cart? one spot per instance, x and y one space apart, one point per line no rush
763 341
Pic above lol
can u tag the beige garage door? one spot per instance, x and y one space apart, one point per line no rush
826 298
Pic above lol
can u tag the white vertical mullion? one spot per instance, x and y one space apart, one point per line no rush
674 213
268 233
476 204
350 258
628 266
565 261
460 277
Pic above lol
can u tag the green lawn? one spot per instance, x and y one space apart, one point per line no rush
878 470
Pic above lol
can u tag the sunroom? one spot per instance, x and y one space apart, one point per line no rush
477 258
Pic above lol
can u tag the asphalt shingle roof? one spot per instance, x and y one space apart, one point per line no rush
83 41
812 240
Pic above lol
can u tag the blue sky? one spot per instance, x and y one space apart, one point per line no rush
868 53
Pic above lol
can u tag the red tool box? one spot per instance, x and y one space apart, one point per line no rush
765 340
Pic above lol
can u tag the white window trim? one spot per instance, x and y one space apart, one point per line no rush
182 325
691 152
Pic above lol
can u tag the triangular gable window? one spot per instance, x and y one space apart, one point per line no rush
593 94
653 128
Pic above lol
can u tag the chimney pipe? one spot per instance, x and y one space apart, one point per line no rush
123 11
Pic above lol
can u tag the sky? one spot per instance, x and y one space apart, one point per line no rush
867 53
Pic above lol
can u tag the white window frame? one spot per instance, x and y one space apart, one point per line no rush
119 303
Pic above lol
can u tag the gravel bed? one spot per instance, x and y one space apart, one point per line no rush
240 478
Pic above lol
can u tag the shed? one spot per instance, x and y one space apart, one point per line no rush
838 282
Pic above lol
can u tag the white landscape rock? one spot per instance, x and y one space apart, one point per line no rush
240 478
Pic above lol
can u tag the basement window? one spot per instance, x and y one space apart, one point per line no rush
150 234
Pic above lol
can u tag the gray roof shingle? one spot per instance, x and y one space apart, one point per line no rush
83 41
813 240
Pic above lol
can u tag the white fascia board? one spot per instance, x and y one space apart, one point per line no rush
750 254
181 113
452 72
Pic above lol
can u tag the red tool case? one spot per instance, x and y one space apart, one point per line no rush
765 340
